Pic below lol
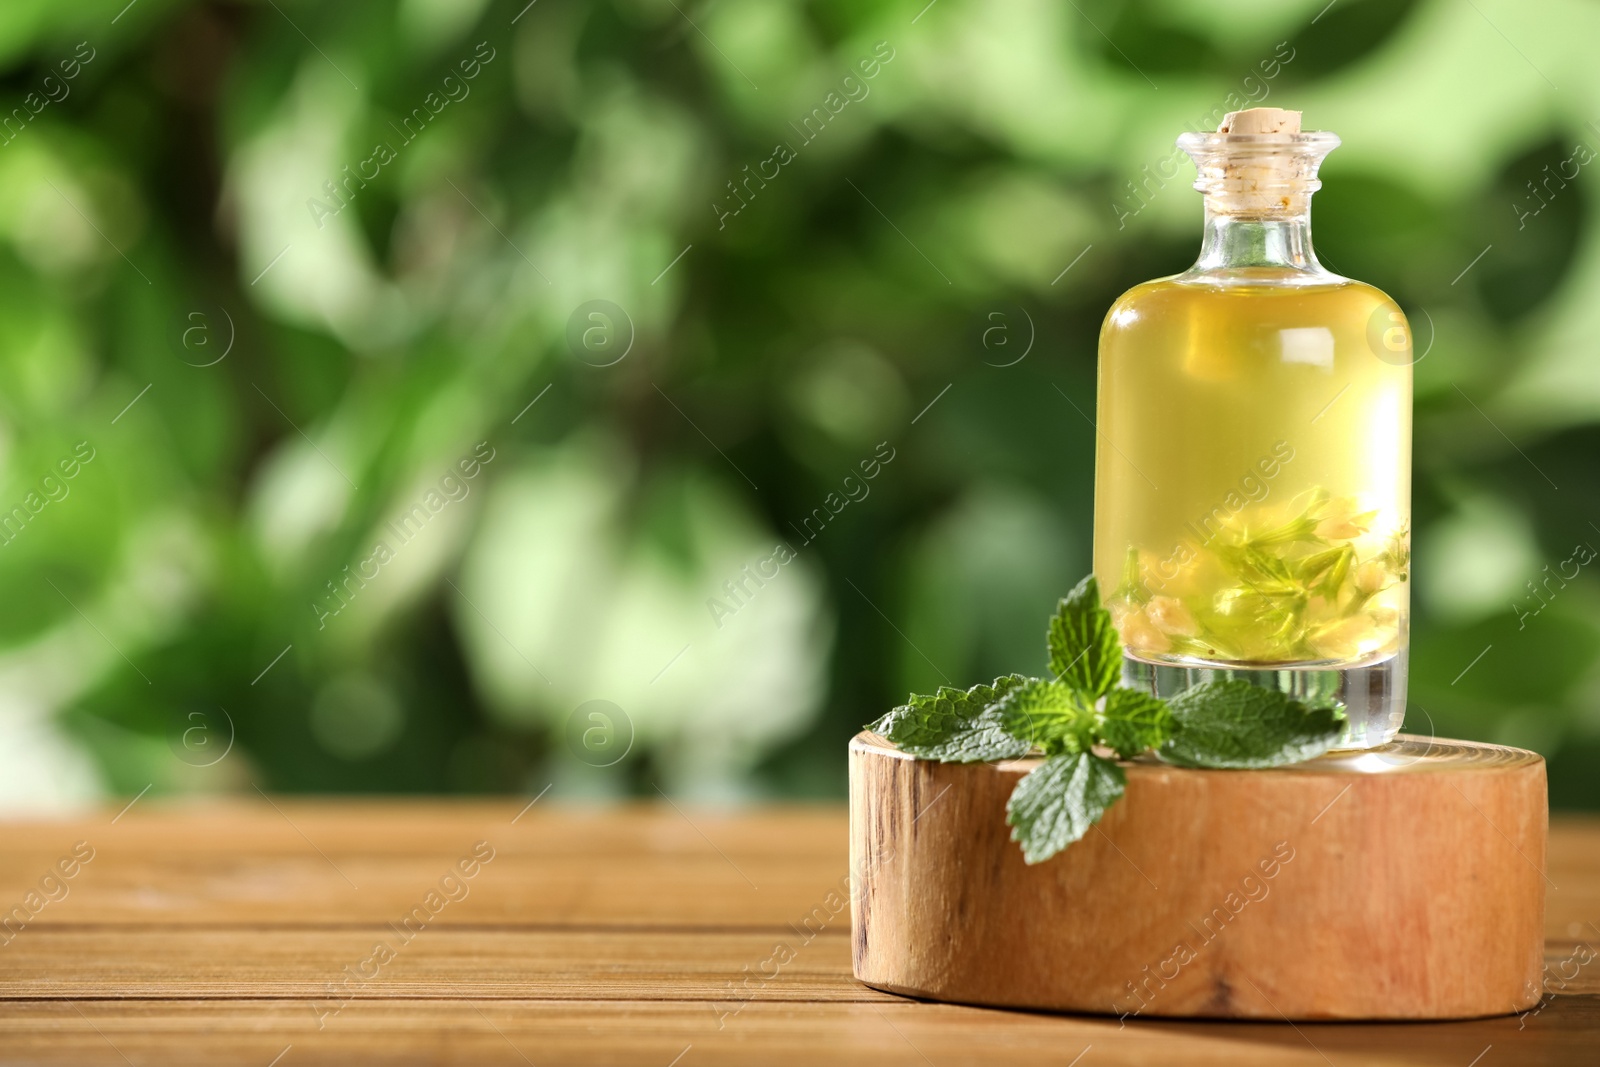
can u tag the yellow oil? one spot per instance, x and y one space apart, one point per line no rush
1252 481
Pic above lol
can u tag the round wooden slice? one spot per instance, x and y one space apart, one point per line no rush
1405 882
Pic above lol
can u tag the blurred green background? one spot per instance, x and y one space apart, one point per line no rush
279 268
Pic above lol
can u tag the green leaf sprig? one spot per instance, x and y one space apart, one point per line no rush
1082 721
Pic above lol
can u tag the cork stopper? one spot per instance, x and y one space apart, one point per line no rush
1259 162
1260 120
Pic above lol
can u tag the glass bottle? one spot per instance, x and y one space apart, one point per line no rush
1253 466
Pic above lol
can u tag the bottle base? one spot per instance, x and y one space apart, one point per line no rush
1372 696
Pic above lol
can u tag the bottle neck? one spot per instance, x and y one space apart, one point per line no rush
1274 241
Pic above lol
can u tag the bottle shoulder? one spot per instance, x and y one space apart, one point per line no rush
1372 292
1318 327
1253 281
1145 295
1258 292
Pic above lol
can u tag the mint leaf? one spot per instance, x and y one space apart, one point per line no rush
954 725
1057 802
1132 722
1232 723
1048 715
1085 652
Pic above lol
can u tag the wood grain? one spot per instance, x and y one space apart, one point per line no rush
652 1033
329 862
209 935
325 966
1405 883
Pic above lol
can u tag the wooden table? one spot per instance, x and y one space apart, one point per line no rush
250 933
